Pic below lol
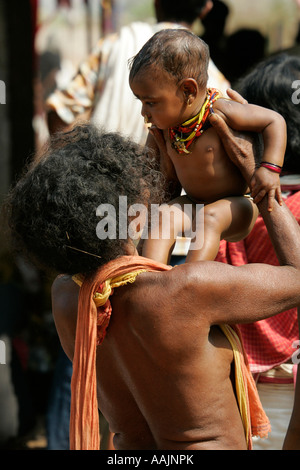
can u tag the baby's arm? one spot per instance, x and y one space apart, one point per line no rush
247 117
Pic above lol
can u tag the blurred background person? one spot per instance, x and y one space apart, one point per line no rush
214 34
100 90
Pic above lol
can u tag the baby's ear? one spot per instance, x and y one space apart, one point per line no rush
189 89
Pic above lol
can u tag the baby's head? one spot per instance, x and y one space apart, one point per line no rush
177 52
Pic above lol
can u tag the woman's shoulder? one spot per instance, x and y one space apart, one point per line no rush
64 294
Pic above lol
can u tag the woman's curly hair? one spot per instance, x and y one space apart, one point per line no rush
52 209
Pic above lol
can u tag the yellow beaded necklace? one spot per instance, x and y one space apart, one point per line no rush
184 135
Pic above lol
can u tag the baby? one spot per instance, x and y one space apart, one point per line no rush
169 77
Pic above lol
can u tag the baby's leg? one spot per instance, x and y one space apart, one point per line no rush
229 219
171 221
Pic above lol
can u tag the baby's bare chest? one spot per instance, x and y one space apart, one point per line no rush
206 170
204 151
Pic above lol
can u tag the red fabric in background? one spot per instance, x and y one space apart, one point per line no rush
267 342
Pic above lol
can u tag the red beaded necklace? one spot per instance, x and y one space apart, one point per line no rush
184 135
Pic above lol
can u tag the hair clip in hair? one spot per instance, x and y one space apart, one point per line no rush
81 251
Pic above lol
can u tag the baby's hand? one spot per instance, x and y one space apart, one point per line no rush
266 181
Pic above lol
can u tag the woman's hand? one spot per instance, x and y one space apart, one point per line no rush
239 146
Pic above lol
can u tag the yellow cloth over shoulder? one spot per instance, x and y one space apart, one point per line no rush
94 311
252 413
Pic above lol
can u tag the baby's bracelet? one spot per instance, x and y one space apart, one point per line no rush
272 167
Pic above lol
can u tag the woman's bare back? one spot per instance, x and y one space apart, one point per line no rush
159 392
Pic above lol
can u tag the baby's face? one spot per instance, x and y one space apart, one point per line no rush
163 102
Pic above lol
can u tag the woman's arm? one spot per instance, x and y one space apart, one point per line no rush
246 117
236 294
249 117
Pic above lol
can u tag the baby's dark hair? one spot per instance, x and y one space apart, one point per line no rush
52 209
269 85
178 52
